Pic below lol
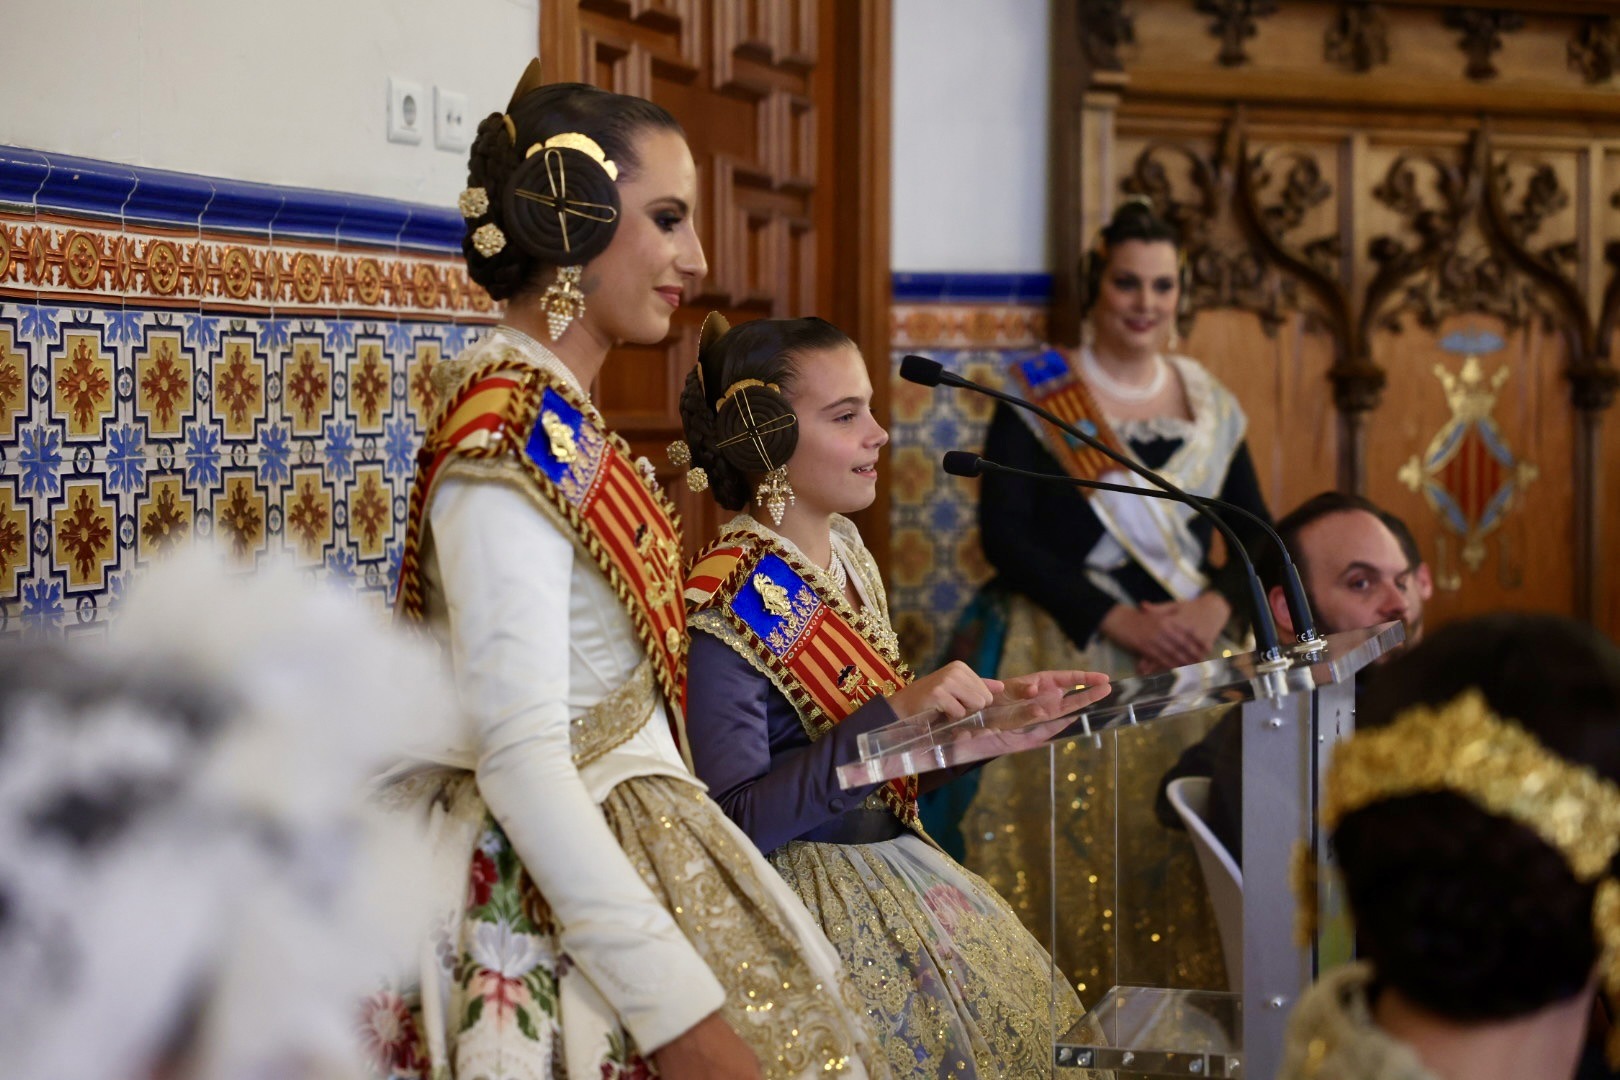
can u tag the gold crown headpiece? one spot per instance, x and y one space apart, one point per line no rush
1463 747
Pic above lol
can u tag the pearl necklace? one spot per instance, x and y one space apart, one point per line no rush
840 576
1125 391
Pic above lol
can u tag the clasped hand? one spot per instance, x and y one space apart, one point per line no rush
1171 634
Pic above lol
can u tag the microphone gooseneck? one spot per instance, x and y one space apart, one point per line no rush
926 372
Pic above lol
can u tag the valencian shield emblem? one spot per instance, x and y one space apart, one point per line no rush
1468 474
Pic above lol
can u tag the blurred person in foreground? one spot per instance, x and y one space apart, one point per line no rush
1475 817
192 886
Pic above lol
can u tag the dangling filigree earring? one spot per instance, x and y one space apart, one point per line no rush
1088 333
563 302
775 494
1173 342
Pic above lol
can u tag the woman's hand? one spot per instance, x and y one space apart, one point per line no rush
1155 634
1203 618
955 690
707 1049
1206 616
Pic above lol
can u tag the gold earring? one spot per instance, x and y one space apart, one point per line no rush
563 302
697 480
775 494
1174 341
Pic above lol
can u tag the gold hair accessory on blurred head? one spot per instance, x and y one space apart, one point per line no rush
1463 747
473 202
697 480
488 240
563 302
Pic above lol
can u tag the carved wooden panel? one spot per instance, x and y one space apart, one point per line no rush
750 82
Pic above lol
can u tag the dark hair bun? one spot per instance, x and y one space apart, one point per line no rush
582 226
755 428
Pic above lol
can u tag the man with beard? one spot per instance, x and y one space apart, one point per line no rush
1360 567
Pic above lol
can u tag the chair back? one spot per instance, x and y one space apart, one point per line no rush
1222 876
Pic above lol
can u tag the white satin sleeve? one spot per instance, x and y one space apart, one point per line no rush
506 572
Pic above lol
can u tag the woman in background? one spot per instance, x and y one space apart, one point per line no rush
1110 581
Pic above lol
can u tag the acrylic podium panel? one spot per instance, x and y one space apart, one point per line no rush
1094 822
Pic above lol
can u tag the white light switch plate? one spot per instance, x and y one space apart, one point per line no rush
452 128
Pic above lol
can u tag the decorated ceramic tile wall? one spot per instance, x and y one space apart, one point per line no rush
975 325
185 357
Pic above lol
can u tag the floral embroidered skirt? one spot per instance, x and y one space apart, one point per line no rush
499 997
955 984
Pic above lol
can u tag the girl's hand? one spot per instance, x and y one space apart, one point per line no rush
1025 687
954 690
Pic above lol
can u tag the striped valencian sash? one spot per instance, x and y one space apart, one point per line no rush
810 643
1050 381
511 413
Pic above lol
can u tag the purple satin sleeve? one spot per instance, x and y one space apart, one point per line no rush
749 747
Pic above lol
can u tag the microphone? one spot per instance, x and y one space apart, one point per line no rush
962 463
926 372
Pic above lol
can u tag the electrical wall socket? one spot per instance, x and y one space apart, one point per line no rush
451 129
407 112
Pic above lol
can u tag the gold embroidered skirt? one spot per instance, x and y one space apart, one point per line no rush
954 983
514 1006
1131 903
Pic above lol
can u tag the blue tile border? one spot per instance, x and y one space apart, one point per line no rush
169 198
22 174
86 186
970 287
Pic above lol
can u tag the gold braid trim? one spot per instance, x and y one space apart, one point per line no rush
1463 747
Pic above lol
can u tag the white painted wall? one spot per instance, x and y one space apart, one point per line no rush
279 91
971 102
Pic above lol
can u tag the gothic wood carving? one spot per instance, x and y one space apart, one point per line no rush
1194 194
1357 381
1594 51
1104 27
1482 31
1234 24
1358 39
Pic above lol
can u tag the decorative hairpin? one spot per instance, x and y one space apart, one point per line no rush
488 240
473 202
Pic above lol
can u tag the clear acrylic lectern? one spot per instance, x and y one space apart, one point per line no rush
1290 719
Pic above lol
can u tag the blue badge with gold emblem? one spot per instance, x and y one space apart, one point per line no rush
775 603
